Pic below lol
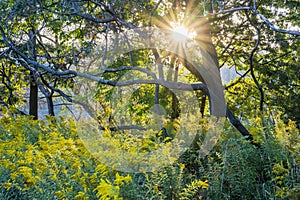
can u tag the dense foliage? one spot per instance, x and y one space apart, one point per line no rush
47 159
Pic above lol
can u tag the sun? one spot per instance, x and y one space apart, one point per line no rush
183 25
181 34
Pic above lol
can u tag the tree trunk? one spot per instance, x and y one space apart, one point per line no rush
50 105
33 98
209 51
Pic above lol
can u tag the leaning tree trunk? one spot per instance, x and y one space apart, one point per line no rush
208 48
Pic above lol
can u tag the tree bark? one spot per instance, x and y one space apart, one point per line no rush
209 48
33 97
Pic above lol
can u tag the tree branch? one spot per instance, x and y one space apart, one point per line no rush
251 62
239 126
90 17
255 11
170 85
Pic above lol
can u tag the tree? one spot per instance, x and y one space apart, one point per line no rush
50 38
66 50
272 52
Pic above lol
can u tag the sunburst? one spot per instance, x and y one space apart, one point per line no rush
181 34
185 24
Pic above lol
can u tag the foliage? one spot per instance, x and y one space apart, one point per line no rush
46 159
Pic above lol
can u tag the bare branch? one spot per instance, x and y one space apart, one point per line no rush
272 26
255 11
239 126
152 12
90 17
122 68
25 60
170 85
251 62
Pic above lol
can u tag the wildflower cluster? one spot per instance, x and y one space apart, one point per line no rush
46 159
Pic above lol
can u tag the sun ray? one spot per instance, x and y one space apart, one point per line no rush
186 23
183 17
